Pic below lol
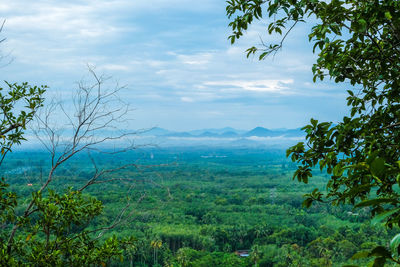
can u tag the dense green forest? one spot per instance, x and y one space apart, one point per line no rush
93 198
197 206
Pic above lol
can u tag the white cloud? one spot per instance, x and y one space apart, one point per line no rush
116 67
154 63
187 99
196 59
272 86
199 96
64 21
270 138
235 51
211 113
174 56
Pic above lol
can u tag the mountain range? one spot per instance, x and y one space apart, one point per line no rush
226 132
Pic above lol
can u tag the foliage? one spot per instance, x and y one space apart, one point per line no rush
274 225
50 227
358 42
56 235
18 105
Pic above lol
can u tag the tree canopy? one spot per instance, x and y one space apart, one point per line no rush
52 226
357 43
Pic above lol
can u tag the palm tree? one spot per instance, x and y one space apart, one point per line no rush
156 245
182 257
255 254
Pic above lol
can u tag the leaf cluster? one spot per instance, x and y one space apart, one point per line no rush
18 105
58 232
357 42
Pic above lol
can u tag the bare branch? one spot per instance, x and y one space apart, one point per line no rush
89 123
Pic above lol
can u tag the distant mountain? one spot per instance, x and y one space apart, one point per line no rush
263 132
157 131
226 132
208 134
217 131
229 134
179 134
260 132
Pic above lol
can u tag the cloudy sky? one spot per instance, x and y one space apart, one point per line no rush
180 70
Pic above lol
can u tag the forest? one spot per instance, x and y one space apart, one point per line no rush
93 194
198 206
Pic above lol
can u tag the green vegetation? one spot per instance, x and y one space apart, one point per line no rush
356 42
54 225
197 211
182 209
18 105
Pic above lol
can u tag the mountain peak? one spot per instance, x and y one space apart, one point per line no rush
259 131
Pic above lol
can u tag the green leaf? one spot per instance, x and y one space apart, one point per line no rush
338 170
362 25
360 255
380 251
388 15
378 167
372 156
379 262
371 202
263 55
357 189
394 243
382 216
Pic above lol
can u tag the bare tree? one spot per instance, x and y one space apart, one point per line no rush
4 56
1 29
91 125
90 122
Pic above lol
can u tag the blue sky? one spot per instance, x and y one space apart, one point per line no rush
180 70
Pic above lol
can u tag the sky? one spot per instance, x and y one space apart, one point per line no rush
180 71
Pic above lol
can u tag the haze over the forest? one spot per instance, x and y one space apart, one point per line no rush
227 137
223 137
